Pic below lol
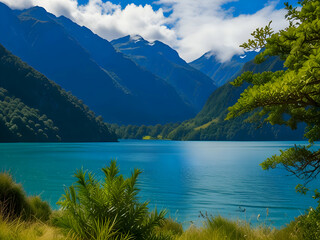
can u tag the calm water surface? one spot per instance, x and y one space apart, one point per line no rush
183 177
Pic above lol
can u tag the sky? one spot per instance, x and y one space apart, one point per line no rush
192 27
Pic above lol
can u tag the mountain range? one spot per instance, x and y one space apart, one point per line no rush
129 81
210 123
193 86
81 62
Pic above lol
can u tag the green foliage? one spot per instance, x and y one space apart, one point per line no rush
39 209
143 132
108 209
309 224
33 108
15 204
19 122
292 96
260 35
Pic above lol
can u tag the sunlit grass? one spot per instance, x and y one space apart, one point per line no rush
204 126
27 230
217 228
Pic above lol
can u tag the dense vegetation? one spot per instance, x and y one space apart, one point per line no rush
291 96
143 132
33 108
18 121
110 209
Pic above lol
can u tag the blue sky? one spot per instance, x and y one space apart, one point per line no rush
192 27
238 7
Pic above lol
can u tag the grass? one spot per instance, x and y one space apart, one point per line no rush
19 229
214 228
159 137
204 126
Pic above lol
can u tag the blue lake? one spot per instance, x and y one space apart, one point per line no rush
183 177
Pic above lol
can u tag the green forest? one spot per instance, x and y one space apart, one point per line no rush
35 109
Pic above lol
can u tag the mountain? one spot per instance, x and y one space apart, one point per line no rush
193 86
80 61
35 109
222 72
209 124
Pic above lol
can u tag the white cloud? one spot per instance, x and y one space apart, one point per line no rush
195 26
18 4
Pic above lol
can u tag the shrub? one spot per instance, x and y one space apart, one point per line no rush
309 224
40 209
107 210
14 202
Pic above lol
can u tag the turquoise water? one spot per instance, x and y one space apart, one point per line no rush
183 177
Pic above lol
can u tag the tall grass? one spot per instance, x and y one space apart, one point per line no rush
219 228
19 229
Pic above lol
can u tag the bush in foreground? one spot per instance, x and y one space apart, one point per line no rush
107 210
14 202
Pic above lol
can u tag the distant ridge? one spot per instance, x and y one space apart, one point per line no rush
222 72
193 86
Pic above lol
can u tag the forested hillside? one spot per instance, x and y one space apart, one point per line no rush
33 108
210 123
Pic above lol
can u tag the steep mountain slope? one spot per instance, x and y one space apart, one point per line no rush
192 85
209 124
221 72
33 108
88 66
